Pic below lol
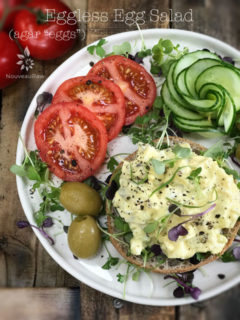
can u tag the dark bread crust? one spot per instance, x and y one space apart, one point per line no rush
171 265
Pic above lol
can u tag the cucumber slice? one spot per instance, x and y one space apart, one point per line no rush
175 107
226 77
181 85
190 128
205 105
171 87
195 70
189 58
196 123
228 114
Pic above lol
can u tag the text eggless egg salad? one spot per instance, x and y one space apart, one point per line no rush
138 202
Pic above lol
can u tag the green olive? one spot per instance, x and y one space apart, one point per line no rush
238 152
78 198
84 237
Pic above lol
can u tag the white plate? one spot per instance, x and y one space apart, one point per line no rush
90 271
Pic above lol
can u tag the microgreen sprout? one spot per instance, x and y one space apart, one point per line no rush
185 286
46 224
36 170
179 230
111 261
98 48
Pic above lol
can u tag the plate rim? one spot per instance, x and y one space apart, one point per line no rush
51 251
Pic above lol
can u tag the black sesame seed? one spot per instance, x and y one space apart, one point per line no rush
74 163
91 63
65 229
201 233
141 207
88 82
217 216
221 276
174 208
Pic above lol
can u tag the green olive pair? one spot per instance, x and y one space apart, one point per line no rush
84 236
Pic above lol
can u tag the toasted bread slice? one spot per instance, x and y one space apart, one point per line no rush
170 265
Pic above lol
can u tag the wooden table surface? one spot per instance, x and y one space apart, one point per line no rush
32 285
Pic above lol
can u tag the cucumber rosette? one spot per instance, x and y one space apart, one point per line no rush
202 91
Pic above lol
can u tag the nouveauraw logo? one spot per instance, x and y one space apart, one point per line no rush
25 60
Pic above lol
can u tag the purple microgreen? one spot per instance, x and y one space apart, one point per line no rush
179 230
24 224
229 60
175 232
136 58
47 223
110 193
178 292
156 249
43 100
185 285
236 253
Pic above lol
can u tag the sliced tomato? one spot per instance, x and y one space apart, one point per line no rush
102 97
71 140
136 83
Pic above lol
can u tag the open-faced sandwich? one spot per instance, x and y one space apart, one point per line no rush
173 210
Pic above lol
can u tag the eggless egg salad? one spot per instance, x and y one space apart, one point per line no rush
161 189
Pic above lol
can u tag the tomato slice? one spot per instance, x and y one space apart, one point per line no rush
71 140
136 83
102 97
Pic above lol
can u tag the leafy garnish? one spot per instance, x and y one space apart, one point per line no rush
112 164
98 48
185 285
167 182
195 174
179 230
150 227
149 127
158 166
164 53
231 255
36 170
46 224
181 152
122 49
111 261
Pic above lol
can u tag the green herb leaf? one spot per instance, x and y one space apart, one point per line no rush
232 172
158 103
18 170
182 152
152 226
112 164
194 173
144 53
136 275
121 224
164 53
158 166
228 257
120 278
111 262
123 48
98 48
